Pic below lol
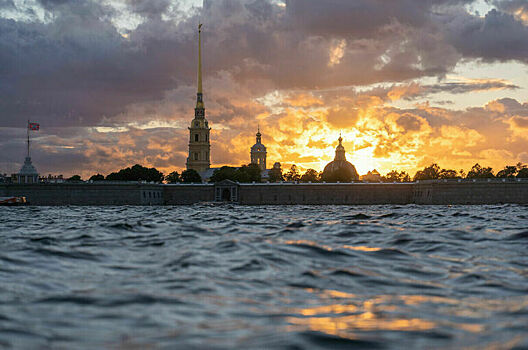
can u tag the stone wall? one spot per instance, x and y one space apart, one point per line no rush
179 194
495 191
325 194
86 193
429 192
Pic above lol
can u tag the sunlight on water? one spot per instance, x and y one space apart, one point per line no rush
224 277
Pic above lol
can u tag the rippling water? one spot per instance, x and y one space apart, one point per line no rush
288 277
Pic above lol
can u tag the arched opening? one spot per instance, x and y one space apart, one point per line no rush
226 195
196 137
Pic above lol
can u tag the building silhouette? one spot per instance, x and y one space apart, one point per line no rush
199 132
258 152
340 169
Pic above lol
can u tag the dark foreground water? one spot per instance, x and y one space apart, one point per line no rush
215 277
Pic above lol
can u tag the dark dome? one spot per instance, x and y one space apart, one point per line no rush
335 165
334 170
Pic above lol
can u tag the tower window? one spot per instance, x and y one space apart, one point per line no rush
196 137
196 156
206 137
196 124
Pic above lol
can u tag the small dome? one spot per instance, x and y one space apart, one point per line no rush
258 147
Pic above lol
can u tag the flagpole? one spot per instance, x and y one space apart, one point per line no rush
28 138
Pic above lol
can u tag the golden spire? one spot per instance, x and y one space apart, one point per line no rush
199 101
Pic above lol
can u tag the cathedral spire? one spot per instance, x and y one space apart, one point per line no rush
199 97
199 133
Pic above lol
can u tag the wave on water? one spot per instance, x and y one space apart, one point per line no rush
274 277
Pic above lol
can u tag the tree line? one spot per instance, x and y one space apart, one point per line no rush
251 173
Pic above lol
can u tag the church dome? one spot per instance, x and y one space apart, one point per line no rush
340 168
258 147
341 164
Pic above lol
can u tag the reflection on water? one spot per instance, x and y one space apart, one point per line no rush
382 313
223 277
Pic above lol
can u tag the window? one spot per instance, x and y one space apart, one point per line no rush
196 137
196 124
196 156
206 137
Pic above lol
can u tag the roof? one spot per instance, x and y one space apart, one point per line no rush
341 164
28 168
258 147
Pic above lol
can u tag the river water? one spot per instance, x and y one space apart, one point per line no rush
273 277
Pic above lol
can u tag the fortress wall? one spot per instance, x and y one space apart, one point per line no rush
441 193
325 194
86 193
188 194
480 192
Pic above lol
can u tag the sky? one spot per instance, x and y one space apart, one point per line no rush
406 82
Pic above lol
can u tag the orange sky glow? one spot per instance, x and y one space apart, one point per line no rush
410 86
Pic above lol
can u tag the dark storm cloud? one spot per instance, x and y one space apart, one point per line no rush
148 8
498 36
512 6
7 5
77 69
360 18
462 88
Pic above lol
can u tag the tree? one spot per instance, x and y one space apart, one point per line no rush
293 174
478 172
310 175
395 176
136 173
173 178
249 173
191 176
224 173
431 172
509 171
275 173
448 174
523 173
97 177
74 178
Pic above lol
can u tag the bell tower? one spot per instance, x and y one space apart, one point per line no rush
199 142
258 152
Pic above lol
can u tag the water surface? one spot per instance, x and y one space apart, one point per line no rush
274 277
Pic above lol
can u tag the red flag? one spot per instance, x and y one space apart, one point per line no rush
34 126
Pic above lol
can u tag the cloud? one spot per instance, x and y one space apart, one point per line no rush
498 36
128 68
